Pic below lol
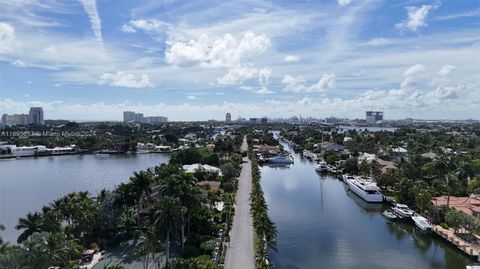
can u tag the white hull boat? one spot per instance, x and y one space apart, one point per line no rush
422 223
367 190
322 167
403 211
281 159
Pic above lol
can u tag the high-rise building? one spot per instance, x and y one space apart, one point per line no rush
264 120
374 117
36 116
128 116
228 118
16 119
139 117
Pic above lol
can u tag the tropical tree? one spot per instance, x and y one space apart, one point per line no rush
168 216
148 246
31 224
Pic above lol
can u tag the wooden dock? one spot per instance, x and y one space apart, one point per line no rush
468 248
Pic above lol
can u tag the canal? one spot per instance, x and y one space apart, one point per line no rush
322 225
27 184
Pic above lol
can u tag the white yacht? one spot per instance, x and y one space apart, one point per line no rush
321 167
346 177
422 223
366 189
403 211
281 159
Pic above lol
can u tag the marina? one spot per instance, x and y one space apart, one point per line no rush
322 224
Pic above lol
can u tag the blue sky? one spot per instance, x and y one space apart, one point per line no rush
196 60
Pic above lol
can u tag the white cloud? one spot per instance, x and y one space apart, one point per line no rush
18 63
264 76
264 91
90 7
416 18
7 38
444 92
446 70
123 79
237 75
226 51
291 58
414 70
192 97
344 2
379 41
128 29
297 84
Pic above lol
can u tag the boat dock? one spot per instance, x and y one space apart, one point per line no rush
468 248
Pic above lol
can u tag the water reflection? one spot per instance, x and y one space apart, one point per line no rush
323 225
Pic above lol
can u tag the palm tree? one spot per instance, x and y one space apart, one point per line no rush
167 217
141 185
148 244
31 224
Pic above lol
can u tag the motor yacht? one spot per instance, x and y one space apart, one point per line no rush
422 223
321 167
403 211
281 159
366 189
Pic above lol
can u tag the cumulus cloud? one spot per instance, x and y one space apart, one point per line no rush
416 18
414 70
7 38
444 92
263 91
123 79
226 51
291 58
297 84
90 7
264 76
192 97
344 2
446 70
237 75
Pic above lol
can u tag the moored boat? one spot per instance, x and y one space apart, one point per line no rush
366 189
422 223
280 159
321 167
403 211
389 214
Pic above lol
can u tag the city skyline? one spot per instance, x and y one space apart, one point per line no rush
91 60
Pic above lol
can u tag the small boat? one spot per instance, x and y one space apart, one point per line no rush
346 177
389 214
321 167
403 211
422 223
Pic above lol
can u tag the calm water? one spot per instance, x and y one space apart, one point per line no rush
321 225
29 183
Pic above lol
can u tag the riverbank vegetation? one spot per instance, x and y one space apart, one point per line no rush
265 230
411 165
162 213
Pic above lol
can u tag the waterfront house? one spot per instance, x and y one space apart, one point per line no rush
191 168
469 204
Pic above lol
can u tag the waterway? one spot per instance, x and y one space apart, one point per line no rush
323 225
27 184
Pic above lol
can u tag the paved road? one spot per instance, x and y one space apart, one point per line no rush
240 254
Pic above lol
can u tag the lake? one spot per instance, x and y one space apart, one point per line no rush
323 225
27 184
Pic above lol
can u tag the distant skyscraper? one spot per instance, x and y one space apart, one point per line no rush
228 118
264 120
128 116
36 116
139 117
373 117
